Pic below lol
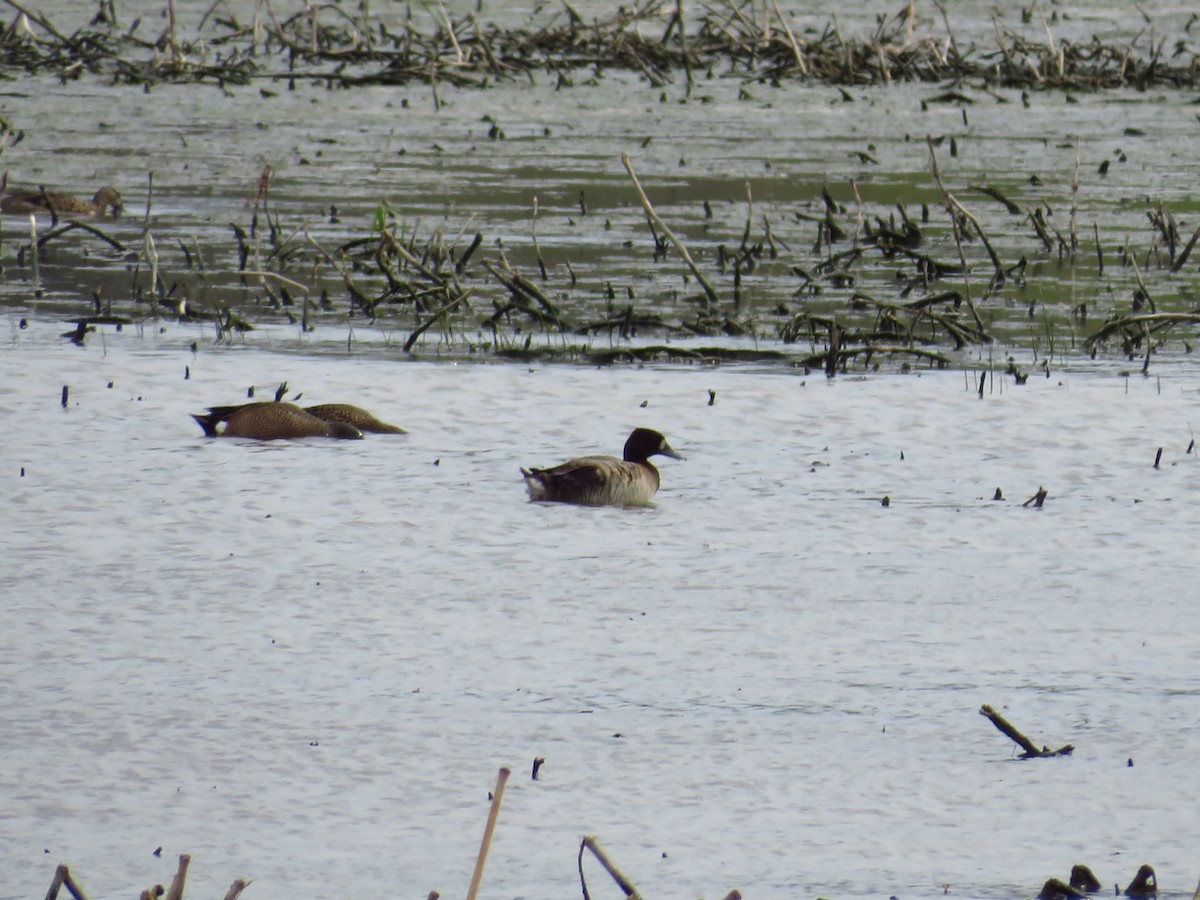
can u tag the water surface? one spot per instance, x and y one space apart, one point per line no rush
304 662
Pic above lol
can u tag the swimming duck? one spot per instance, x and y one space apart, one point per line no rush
271 421
105 205
604 480
352 415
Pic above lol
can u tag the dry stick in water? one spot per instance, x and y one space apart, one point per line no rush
477 876
796 52
175 891
952 204
424 326
533 233
949 30
1186 252
683 47
657 220
1030 749
33 245
152 258
858 221
62 878
1074 194
623 883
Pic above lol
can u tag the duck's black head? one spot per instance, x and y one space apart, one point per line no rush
644 443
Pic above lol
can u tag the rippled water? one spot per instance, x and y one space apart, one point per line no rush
304 662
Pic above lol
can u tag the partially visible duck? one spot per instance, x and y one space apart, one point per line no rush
352 415
1144 884
105 205
604 480
270 422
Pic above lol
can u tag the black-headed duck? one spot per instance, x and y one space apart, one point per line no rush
604 480
105 205
270 422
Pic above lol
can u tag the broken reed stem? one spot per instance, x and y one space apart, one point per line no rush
787 29
623 883
1100 251
533 234
443 310
149 199
1074 190
235 889
1186 252
41 21
657 220
33 245
152 258
949 30
952 201
683 47
283 278
1007 728
175 891
62 878
486 843
1137 273
858 220
952 204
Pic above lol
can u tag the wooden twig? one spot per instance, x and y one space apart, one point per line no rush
424 326
485 844
62 875
679 247
1186 252
1037 499
952 205
1030 749
796 51
623 883
175 891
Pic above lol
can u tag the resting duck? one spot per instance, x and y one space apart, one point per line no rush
105 205
352 415
604 480
270 422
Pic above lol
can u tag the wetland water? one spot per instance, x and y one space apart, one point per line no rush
304 662
736 147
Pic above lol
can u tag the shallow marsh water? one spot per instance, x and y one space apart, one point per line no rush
304 662
734 138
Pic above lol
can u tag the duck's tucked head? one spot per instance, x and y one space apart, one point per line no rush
644 443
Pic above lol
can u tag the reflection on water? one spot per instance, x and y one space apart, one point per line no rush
304 662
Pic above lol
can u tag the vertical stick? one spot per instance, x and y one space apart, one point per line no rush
175 891
655 219
33 245
59 875
1075 201
493 813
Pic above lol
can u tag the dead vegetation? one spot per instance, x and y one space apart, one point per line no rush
839 283
661 39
